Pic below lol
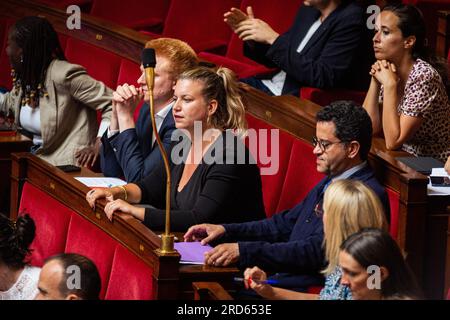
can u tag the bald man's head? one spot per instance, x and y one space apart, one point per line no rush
69 277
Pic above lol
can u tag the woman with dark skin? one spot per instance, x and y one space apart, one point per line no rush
54 101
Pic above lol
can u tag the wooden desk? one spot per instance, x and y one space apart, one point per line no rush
8 145
170 279
437 247
443 33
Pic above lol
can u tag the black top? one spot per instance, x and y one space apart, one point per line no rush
225 187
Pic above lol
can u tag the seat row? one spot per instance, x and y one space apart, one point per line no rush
292 181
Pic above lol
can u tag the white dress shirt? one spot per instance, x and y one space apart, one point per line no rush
276 84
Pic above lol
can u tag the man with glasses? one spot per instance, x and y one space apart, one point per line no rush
291 241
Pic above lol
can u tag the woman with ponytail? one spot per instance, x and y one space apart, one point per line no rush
18 280
214 178
53 101
407 98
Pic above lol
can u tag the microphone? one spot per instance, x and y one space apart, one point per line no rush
149 63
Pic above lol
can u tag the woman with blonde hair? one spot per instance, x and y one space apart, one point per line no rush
348 206
213 177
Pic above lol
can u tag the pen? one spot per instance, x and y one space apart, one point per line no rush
268 281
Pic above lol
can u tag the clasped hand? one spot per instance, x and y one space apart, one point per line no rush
385 73
126 98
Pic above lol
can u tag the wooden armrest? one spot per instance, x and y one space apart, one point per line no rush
210 291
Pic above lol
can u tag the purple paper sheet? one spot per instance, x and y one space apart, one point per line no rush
192 252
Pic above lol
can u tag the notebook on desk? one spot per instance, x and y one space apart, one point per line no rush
423 165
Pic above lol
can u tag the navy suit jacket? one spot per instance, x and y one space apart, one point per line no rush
291 241
338 55
130 153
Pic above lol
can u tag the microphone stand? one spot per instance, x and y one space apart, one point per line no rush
167 239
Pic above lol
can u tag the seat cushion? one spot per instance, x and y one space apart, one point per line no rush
130 278
52 222
394 202
325 97
99 63
301 175
88 240
272 184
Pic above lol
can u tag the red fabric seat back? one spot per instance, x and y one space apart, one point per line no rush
325 97
278 14
60 229
130 278
199 23
301 175
99 63
52 220
271 184
136 14
86 239
394 203
63 41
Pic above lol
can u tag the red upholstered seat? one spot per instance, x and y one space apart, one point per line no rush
52 222
86 239
136 14
301 175
394 203
325 97
278 14
315 289
130 278
199 23
272 184
59 229
63 41
99 63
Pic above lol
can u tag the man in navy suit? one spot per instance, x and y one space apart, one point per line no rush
328 46
129 149
290 242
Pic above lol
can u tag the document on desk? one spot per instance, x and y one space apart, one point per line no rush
438 191
101 182
192 252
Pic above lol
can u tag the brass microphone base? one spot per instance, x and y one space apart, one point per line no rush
167 244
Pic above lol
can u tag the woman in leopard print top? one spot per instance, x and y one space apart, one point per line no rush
407 98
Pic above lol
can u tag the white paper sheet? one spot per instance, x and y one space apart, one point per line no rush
101 182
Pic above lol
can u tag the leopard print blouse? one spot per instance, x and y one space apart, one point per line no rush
425 97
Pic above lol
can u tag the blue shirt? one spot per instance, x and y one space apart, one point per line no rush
333 289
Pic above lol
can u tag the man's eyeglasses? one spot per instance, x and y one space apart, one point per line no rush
318 210
323 144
